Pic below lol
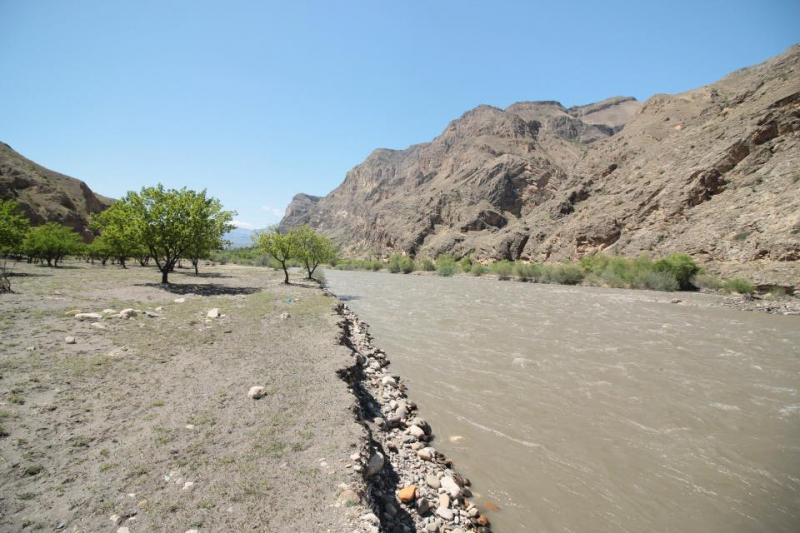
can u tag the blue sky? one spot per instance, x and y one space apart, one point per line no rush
260 100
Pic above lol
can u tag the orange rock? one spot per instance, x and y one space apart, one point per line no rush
483 520
407 494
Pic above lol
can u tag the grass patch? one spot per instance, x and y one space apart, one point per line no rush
738 285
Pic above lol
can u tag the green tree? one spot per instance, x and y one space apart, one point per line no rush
280 247
119 238
209 234
51 242
169 221
312 249
13 226
682 266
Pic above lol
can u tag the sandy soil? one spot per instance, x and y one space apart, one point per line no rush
146 423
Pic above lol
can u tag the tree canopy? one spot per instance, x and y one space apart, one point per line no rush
312 249
13 226
51 242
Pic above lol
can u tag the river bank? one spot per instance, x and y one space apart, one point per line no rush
409 484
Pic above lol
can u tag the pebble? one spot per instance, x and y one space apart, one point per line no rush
445 513
285 316
256 393
213 313
127 313
188 485
407 494
179 300
123 530
70 340
432 481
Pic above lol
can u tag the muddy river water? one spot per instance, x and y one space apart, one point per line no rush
578 409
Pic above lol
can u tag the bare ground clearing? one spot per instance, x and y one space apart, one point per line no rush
147 420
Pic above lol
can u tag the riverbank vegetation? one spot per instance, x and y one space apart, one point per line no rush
674 272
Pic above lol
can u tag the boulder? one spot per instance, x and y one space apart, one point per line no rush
213 313
88 316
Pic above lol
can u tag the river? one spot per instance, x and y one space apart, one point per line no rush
576 409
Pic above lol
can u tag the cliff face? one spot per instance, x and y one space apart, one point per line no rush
47 196
714 172
298 211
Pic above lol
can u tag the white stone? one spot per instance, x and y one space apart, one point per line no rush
109 311
114 519
388 380
416 431
213 313
180 300
445 513
188 485
370 517
88 316
70 340
257 393
450 485
123 530
160 308
151 314
127 313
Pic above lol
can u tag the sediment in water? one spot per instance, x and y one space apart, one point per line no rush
409 485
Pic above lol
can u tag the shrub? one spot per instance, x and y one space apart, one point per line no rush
681 266
427 265
373 265
566 274
445 259
407 265
742 286
447 269
656 281
477 269
394 264
707 281
527 271
502 269
466 264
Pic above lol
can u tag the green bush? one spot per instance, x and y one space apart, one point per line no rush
466 264
742 286
373 264
447 269
427 265
707 281
656 281
407 265
502 269
477 269
681 266
445 259
566 274
395 263
527 271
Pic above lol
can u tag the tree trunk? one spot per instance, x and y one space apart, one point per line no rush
285 274
194 264
165 275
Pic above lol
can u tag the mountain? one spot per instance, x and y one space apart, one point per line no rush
299 210
47 196
714 172
239 238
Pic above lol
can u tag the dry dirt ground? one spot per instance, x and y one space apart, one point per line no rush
148 420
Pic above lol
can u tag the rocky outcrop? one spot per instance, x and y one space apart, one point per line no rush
713 172
299 210
47 196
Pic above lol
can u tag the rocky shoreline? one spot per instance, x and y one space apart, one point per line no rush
408 484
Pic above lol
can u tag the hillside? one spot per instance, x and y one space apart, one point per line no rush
48 196
714 172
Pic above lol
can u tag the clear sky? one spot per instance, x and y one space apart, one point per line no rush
257 101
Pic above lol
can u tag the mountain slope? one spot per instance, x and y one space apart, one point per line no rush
48 196
714 172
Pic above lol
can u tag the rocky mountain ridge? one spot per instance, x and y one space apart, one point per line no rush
714 172
47 196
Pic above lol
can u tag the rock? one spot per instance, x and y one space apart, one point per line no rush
675 301
473 512
416 431
349 496
114 519
151 314
256 393
189 485
159 308
98 325
179 300
375 464
407 494
127 313
388 380
123 530
213 313
445 513
285 316
70 340
109 311
444 500
483 521
192 531
423 506
89 316
450 485
72 312
432 481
